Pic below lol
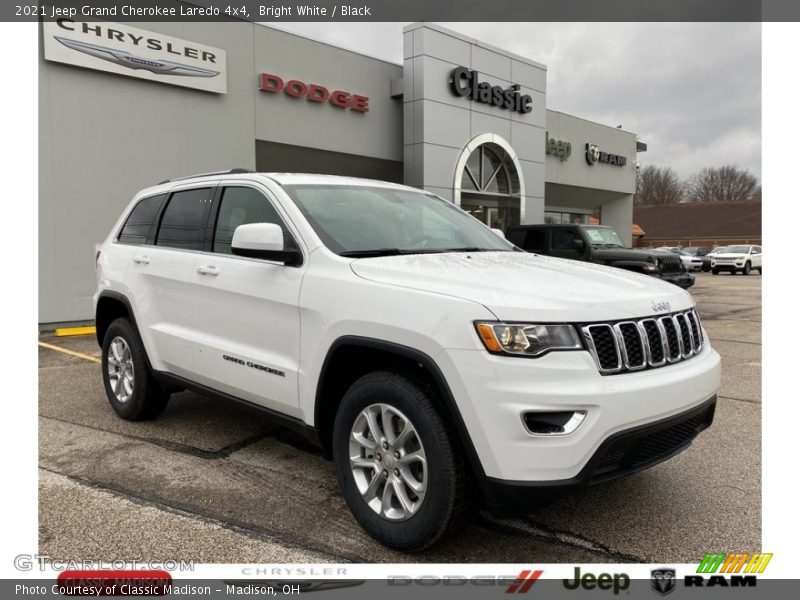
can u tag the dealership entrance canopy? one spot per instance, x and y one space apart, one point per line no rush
123 107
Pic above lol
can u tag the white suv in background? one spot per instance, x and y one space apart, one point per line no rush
438 365
737 259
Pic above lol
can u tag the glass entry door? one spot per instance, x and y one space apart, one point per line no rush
498 212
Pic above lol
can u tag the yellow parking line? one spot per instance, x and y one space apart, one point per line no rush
65 331
70 352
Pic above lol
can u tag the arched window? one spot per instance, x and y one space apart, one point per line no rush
490 170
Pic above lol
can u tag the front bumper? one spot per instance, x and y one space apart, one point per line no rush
683 280
728 266
494 392
621 454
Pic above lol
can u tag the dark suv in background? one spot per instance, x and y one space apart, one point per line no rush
599 244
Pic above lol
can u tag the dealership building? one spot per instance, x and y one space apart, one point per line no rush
123 106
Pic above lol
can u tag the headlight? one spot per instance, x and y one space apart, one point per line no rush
648 268
526 339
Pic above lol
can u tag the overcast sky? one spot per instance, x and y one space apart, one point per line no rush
692 91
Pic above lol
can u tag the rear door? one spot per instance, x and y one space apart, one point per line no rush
160 278
247 320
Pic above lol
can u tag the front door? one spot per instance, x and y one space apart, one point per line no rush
248 319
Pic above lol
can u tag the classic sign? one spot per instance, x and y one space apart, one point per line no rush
465 83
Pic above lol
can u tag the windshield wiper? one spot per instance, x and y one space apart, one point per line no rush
373 252
468 249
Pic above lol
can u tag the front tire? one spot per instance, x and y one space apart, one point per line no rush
715 271
130 387
747 268
400 468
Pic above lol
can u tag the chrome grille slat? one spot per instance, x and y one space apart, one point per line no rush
651 342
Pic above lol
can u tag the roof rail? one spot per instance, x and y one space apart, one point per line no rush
228 172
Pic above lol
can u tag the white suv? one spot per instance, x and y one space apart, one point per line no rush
737 259
436 363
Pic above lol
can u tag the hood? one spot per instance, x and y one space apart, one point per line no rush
642 254
527 287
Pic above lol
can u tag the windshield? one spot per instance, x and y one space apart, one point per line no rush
735 250
360 221
603 236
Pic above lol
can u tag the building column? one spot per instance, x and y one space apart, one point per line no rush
618 214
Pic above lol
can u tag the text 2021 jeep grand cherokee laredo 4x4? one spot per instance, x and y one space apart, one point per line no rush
435 362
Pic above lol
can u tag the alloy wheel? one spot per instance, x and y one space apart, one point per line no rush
120 369
388 462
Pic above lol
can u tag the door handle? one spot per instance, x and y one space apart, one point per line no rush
208 270
141 259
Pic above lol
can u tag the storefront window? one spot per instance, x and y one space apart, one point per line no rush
551 218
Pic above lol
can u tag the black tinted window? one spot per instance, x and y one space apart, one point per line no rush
532 240
566 239
184 221
139 222
240 206
535 240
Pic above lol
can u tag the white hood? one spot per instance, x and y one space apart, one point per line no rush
526 287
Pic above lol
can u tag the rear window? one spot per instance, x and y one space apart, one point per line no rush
184 222
139 223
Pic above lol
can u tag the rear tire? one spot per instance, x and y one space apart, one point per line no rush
404 503
130 387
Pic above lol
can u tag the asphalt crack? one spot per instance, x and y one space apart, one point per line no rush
748 400
529 527
180 448
249 530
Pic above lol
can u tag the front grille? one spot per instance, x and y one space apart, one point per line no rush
645 343
670 264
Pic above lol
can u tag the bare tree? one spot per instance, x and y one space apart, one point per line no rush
729 183
658 186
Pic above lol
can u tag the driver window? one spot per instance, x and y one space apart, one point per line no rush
240 206
565 240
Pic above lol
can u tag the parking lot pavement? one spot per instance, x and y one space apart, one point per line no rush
212 482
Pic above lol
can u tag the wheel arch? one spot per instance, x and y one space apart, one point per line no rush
110 306
350 357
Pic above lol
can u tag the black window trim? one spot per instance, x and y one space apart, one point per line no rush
153 226
216 206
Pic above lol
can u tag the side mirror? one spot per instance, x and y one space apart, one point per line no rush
578 245
499 232
264 241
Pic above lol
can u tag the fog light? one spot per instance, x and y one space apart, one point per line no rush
553 423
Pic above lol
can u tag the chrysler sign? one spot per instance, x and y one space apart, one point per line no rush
135 52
